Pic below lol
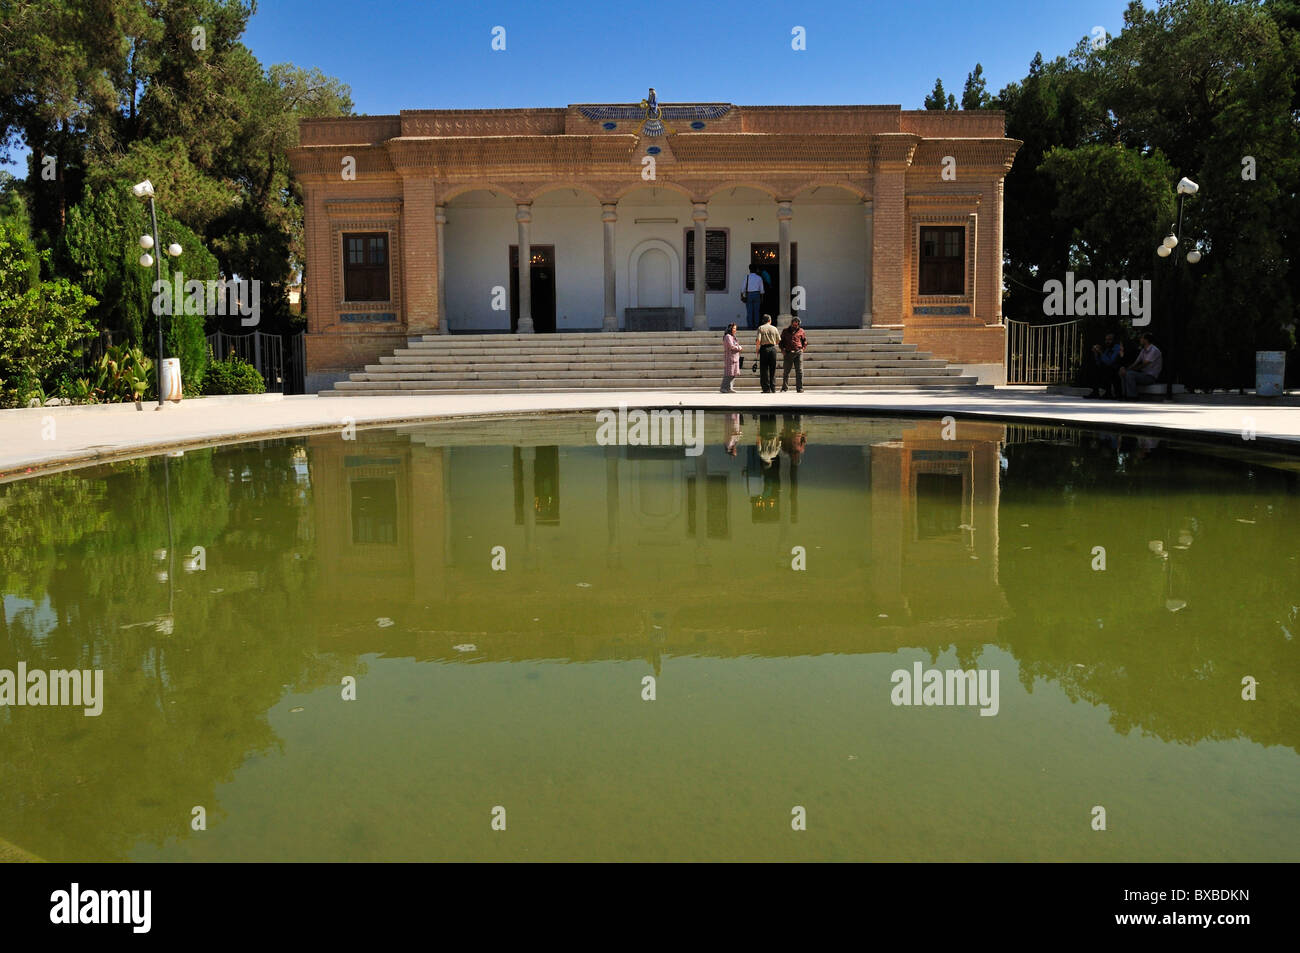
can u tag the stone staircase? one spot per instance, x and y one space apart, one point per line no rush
845 359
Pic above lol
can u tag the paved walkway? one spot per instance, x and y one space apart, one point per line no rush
46 438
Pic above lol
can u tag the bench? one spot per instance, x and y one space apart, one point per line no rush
1158 389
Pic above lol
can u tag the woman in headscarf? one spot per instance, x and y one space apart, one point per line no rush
731 350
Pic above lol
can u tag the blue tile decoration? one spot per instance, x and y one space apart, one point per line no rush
654 150
944 309
610 125
368 317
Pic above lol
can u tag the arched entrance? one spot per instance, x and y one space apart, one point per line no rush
653 267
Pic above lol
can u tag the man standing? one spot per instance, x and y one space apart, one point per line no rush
1145 370
793 343
753 296
765 344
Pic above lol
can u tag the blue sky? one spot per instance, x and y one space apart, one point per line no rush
558 53
417 54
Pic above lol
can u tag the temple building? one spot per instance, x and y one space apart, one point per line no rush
600 217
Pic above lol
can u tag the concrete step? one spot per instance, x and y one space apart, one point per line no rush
693 386
863 334
609 354
629 379
346 388
844 358
607 345
666 380
697 365
572 341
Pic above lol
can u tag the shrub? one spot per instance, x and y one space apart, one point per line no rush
121 375
43 325
234 375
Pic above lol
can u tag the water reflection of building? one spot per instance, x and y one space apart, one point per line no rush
895 522
935 545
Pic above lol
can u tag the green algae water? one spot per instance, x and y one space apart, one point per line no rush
516 640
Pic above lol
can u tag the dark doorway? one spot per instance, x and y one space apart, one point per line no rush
939 499
767 257
374 511
545 496
542 285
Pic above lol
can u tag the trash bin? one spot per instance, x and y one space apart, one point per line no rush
1270 369
170 382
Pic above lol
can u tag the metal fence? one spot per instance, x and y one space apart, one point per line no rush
94 350
281 360
1040 433
1043 353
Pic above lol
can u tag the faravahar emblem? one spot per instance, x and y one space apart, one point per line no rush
653 117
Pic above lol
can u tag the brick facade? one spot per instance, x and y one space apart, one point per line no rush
394 174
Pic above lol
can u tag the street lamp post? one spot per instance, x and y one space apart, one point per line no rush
145 190
1186 187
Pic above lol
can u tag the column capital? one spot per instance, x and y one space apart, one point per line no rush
699 211
609 212
868 207
440 214
523 212
784 212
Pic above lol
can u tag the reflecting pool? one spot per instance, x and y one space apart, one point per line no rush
389 647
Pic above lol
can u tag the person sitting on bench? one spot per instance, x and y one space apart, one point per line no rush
1103 372
1145 370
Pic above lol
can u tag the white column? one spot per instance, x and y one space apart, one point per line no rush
524 216
612 505
783 215
440 219
869 218
608 216
701 509
528 457
700 215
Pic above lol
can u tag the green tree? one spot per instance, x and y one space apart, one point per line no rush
1202 88
974 94
118 89
261 237
1112 231
938 99
1047 109
100 248
1213 85
60 78
185 329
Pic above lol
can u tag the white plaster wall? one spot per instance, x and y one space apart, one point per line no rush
477 258
831 240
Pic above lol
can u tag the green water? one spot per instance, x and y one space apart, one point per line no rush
522 688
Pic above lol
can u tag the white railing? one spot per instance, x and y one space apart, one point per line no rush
1043 353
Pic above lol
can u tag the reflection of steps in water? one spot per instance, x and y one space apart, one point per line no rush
838 358
578 429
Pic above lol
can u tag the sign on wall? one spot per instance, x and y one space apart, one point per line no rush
715 259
